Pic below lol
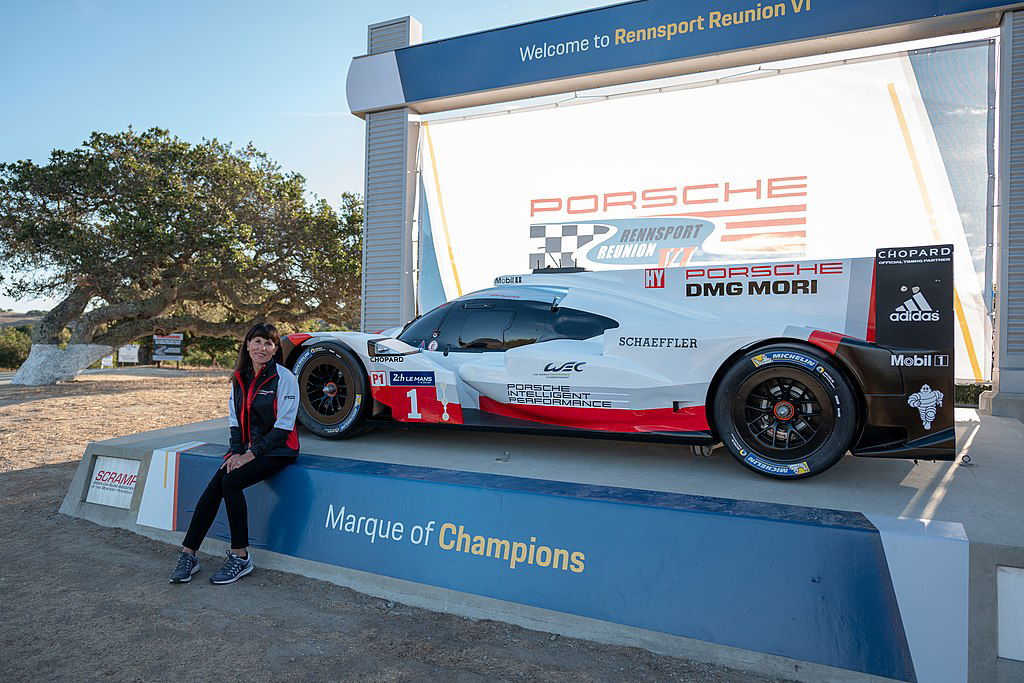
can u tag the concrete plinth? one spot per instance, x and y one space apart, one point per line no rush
1002 404
984 496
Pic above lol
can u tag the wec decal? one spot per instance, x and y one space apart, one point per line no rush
568 366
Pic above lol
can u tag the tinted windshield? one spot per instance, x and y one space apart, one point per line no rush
420 331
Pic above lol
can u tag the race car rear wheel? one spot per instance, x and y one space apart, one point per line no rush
334 396
786 412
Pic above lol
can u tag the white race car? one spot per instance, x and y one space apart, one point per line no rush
789 365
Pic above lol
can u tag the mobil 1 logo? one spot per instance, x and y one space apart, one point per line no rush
914 297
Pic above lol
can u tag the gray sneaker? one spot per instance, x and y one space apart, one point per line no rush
187 566
234 568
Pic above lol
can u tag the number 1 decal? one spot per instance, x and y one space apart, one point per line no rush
414 413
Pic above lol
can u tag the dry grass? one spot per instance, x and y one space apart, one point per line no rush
46 425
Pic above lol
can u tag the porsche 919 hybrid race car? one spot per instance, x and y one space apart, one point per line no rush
789 365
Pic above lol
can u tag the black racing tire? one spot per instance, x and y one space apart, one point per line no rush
334 394
785 411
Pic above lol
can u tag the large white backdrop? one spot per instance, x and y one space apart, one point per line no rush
835 162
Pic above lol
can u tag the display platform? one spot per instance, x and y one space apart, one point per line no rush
864 571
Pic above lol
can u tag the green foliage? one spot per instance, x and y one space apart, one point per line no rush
14 346
967 394
145 233
213 351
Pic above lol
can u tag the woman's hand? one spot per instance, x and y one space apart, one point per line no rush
236 461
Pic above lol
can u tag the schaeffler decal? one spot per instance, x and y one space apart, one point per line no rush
927 401
658 342
915 308
783 356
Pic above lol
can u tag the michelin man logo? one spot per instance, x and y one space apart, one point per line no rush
927 401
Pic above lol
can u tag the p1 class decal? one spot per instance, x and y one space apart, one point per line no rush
378 379
927 401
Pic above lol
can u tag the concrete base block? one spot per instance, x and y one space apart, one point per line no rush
1002 404
983 495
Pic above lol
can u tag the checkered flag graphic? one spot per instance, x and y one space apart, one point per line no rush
559 241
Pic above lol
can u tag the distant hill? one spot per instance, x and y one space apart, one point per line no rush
9 319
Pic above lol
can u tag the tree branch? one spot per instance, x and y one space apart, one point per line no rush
48 329
130 330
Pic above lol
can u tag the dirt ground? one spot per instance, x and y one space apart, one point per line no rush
85 602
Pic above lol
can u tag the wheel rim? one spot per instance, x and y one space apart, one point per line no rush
328 390
783 415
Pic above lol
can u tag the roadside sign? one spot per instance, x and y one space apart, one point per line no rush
129 353
107 361
113 481
167 346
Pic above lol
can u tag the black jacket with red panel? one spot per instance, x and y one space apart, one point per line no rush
262 413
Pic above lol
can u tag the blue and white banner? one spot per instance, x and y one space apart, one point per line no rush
882 596
625 35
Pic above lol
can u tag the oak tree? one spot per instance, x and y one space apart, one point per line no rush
143 233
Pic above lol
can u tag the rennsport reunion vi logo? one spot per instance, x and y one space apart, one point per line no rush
914 309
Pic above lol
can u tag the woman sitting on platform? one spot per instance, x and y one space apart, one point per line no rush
261 413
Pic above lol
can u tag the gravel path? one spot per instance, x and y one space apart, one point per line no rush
85 602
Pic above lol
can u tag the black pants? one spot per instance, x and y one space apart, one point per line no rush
228 486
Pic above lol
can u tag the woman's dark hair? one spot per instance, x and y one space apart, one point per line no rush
243 366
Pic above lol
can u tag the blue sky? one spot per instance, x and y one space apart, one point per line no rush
269 72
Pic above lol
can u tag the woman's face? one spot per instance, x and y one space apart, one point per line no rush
261 350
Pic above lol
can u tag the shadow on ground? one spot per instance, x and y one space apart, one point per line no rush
85 602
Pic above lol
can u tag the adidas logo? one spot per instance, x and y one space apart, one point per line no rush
916 308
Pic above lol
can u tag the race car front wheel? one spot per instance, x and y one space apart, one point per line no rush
333 394
786 412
